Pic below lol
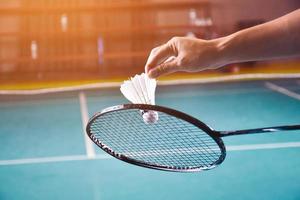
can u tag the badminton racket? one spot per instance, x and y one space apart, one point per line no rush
175 142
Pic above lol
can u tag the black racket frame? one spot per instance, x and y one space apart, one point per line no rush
215 135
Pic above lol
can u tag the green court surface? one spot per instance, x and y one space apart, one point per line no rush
45 155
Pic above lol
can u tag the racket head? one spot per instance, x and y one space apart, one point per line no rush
100 131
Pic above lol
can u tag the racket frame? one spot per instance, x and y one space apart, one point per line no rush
145 107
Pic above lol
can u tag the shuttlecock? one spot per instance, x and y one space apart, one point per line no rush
141 90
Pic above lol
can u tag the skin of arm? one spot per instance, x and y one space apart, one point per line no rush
279 38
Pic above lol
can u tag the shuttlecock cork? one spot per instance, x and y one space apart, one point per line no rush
140 89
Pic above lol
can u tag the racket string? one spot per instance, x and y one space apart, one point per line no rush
168 142
204 142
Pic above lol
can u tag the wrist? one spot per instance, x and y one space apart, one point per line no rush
225 50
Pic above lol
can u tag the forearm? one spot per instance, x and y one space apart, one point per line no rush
276 39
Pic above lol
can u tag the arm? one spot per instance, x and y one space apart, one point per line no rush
276 39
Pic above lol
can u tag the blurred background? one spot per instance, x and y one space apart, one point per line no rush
74 41
61 61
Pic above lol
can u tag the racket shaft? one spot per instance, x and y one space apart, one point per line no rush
259 130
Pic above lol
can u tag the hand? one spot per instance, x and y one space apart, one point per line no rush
183 54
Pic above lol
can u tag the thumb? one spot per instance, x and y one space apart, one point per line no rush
163 69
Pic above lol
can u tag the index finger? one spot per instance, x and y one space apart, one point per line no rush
158 55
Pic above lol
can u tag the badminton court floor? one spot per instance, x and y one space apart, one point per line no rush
44 153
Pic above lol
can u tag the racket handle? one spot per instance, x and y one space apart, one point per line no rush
259 130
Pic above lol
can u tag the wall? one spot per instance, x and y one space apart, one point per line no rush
226 13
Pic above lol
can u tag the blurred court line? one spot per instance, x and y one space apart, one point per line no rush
246 147
90 151
91 86
50 159
282 90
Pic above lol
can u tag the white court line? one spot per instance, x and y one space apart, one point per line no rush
90 151
246 147
50 159
282 90
229 78
263 146
61 89
226 78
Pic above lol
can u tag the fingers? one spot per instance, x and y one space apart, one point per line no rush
158 55
163 69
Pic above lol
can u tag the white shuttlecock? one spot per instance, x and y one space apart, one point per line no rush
141 90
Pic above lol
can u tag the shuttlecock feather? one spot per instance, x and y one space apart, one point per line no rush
141 90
